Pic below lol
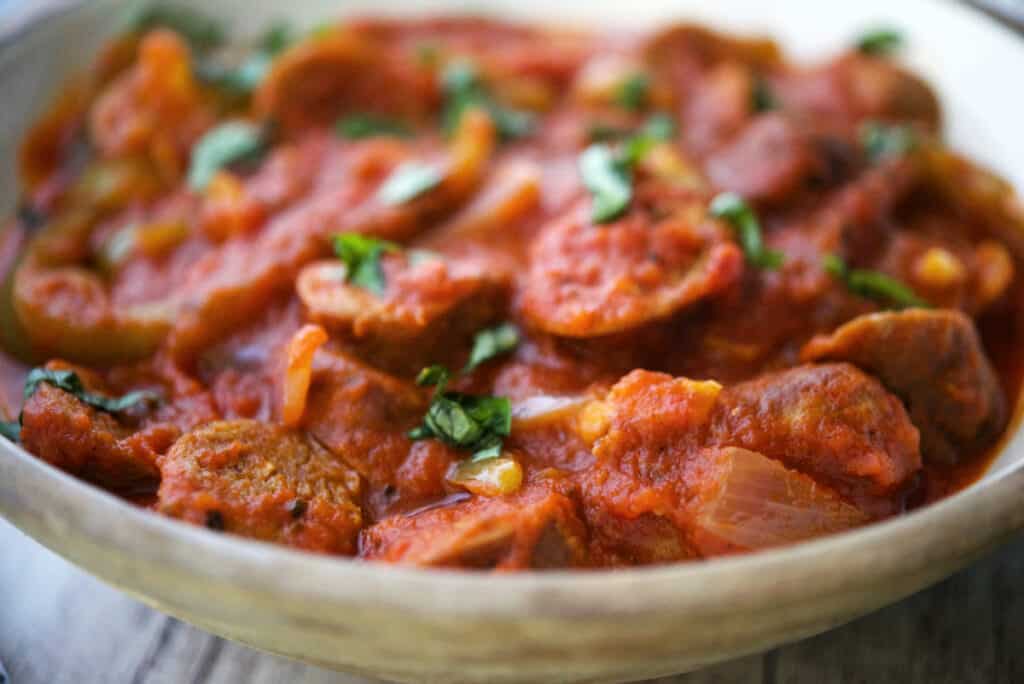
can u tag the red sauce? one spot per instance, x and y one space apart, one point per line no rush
544 209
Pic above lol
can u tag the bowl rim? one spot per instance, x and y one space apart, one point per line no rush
894 547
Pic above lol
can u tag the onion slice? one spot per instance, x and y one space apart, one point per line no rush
748 501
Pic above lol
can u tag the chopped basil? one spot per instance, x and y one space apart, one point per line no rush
203 33
872 284
278 38
70 382
610 182
11 430
478 424
246 77
359 126
882 141
661 127
222 146
634 92
880 42
492 343
762 99
463 90
602 132
361 256
732 208
408 181
31 218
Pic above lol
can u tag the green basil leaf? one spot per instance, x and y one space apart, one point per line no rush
486 452
359 126
278 38
633 93
609 181
202 33
478 424
246 77
70 382
880 42
873 285
734 209
433 376
361 255
11 430
463 90
660 127
491 343
408 181
882 141
762 99
222 146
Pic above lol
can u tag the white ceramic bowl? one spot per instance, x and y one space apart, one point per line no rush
598 626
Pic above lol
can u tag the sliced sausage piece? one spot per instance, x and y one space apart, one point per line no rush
428 313
362 415
319 80
657 493
855 88
589 280
91 444
644 434
934 360
536 529
262 481
831 422
770 161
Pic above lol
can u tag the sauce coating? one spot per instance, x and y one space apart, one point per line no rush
461 293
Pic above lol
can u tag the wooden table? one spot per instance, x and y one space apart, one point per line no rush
61 626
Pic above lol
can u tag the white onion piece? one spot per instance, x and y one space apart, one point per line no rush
543 409
749 501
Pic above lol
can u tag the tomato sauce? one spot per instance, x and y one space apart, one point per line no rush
461 293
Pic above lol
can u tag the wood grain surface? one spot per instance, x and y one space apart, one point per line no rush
61 626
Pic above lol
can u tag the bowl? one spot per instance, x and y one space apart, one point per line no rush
443 626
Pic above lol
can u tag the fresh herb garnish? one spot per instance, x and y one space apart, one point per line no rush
609 179
70 382
361 256
359 126
872 284
11 430
608 174
762 99
660 127
732 208
31 218
478 424
882 141
491 343
202 33
222 146
408 181
633 93
246 77
880 42
463 90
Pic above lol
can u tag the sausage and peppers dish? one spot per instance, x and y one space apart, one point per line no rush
462 293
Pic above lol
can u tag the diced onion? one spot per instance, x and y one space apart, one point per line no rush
492 477
299 371
541 410
752 502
